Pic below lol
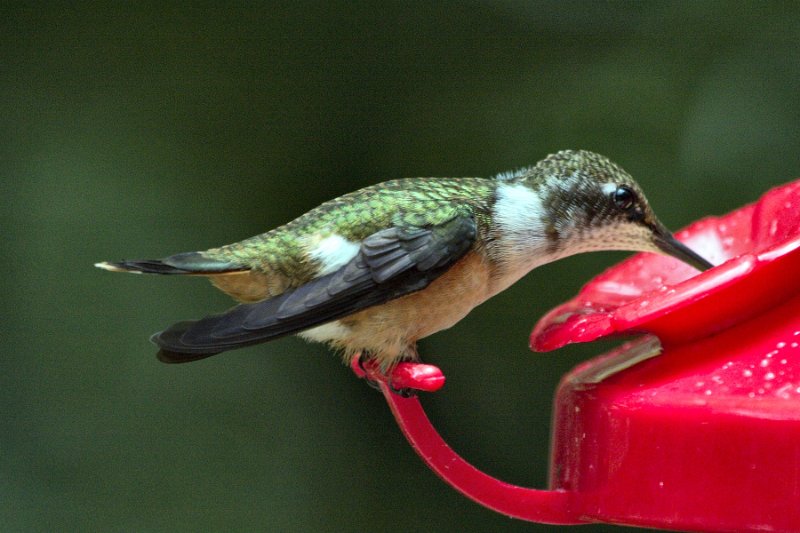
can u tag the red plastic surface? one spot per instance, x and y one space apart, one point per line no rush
700 431
704 437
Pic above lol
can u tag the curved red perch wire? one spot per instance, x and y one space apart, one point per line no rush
542 506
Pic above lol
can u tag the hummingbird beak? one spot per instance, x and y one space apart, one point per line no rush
667 243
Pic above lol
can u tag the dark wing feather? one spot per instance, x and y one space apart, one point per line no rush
391 263
185 263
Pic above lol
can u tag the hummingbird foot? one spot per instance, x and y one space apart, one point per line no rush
364 365
371 371
403 392
403 379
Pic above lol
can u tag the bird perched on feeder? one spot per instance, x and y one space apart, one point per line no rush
375 270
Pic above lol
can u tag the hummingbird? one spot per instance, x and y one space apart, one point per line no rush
373 271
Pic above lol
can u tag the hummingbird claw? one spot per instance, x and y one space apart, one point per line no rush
372 384
360 359
363 365
403 392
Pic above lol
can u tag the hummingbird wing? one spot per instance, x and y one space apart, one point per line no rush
390 263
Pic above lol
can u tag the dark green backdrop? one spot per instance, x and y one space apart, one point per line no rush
145 131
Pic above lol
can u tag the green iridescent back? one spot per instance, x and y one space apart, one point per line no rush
409 202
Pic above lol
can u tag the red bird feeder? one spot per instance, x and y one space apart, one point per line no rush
693 426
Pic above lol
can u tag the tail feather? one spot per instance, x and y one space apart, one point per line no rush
186 263
170 338
166 356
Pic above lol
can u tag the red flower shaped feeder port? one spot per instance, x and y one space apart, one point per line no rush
693 426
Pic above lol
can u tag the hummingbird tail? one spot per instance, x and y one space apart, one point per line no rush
192 340
171 347
186 263
240 326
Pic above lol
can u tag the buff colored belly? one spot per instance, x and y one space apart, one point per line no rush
390 331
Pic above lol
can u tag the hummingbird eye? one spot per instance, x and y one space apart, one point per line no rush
627 201
624 198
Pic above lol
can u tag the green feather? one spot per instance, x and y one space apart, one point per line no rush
405 203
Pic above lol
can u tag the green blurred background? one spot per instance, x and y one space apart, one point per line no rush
144 131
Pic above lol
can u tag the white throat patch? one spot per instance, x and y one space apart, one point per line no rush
520 219
519 211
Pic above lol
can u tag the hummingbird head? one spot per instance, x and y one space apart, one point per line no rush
590 203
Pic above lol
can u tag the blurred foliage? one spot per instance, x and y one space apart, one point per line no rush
144 130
